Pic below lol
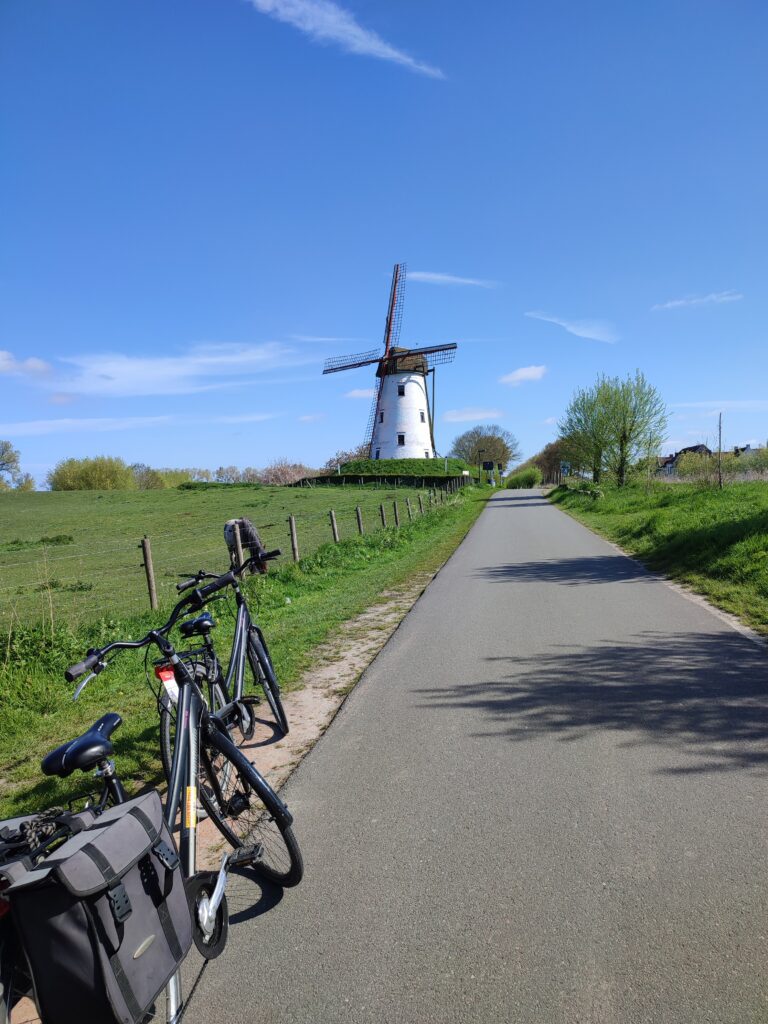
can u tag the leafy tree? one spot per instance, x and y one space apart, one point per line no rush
586 428
25 482
637 423
147 479
102 473
9 461
486 443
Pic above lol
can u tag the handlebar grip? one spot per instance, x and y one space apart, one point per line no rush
266 556
227 580
75 671
181 587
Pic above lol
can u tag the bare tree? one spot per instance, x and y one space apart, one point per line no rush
491 443
227 475
281 471
342 455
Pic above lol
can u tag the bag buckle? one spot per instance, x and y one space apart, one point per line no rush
119 901
166 854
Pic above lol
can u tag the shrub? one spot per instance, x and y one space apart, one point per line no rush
102 473
530 477
404 467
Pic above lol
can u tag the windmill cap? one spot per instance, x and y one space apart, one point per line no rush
401 361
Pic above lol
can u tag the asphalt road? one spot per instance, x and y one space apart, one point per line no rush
544 802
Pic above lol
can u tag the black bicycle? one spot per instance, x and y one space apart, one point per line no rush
250 654
241 803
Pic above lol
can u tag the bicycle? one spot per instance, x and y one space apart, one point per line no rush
241 803
248 647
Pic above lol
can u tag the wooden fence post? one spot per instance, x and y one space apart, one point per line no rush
359 514
334 527
294 538
410 510
239 545
397 514
383 516
147 552
421 505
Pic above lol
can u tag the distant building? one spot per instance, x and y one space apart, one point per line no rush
667 464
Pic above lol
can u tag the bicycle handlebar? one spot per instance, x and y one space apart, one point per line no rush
195 600
253 561
75 671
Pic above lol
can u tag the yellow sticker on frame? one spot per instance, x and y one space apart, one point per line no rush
190 818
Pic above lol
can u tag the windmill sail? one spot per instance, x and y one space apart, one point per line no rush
395 309
372 414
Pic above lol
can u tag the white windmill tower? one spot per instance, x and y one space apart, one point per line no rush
401 422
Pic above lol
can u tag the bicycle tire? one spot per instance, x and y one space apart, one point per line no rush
246 811
264 676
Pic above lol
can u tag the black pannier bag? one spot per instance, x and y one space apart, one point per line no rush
104 919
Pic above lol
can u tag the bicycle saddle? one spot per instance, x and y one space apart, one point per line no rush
84 752
197 626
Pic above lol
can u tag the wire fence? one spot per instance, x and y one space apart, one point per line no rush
65 579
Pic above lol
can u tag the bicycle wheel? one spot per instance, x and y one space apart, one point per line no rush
264 676
247 812
168 724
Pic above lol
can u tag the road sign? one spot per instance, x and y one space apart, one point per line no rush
488 465
565 468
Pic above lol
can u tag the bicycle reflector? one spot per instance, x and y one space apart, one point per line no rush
165 674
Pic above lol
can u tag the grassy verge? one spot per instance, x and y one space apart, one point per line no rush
297 605
715 542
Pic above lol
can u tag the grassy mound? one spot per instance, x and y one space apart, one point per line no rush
404 467
714 541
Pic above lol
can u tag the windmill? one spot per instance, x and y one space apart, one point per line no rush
401 422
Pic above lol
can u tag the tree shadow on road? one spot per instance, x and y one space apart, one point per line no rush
570 571
703 696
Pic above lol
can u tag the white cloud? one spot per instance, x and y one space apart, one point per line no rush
550 421
327 22
312 417
597 330
428 277
360 393
22 367
201 368
37 428
471 413
522 374
700 300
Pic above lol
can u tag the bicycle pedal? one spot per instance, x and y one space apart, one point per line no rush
245 855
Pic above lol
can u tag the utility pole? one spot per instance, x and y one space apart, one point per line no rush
720 451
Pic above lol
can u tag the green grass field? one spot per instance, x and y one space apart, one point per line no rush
715 542
72 556
297 605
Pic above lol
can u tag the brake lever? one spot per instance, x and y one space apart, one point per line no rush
100 666
82 685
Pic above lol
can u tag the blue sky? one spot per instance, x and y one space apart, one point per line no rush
201 200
